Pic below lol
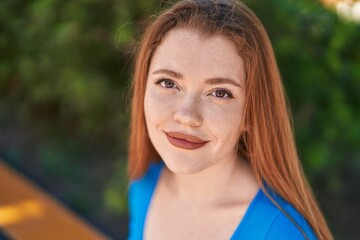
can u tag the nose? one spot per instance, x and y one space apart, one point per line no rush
188 112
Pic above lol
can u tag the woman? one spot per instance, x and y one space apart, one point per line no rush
212 154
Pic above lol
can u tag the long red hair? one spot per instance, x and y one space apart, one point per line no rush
267 141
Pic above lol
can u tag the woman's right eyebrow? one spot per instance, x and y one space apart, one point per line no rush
168 72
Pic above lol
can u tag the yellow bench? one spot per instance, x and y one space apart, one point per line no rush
26 212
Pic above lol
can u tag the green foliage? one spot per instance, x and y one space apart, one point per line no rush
59 58
115 195
319 57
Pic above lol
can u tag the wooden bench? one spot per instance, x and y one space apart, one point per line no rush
27 212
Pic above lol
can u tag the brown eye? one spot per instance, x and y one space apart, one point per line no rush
221 93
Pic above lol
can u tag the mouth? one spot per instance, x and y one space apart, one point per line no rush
185 141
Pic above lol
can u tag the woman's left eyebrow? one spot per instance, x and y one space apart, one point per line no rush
222 81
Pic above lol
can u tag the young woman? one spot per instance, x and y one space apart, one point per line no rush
212 153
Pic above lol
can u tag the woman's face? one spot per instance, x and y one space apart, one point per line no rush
194 100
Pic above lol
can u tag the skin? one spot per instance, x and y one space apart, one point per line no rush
195 86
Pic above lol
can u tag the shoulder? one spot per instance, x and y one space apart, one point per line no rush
284 222
265 220
139 188
140 192
283 226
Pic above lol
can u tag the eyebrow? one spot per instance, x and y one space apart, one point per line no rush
219 80
212 81
169 72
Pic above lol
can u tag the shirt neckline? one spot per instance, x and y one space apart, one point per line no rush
238 229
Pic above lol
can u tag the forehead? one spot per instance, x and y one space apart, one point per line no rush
190 52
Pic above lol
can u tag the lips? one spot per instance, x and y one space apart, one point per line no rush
185 141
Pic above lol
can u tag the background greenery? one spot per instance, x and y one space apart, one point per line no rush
65 69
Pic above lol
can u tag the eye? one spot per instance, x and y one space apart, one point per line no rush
166 83
222 93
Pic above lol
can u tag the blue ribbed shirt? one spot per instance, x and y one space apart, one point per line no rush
262 220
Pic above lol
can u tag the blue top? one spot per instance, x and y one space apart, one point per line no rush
262 220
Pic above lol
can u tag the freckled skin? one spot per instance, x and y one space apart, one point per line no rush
191 106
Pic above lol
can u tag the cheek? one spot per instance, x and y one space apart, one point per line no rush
156 106
225 123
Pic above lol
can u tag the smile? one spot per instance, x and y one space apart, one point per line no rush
184 141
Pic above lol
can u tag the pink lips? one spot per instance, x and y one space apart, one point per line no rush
185 141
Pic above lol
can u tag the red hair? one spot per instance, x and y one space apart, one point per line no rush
268 142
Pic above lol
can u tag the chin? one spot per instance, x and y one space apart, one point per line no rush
184 167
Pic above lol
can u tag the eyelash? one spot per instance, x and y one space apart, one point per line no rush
162 80
226 91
